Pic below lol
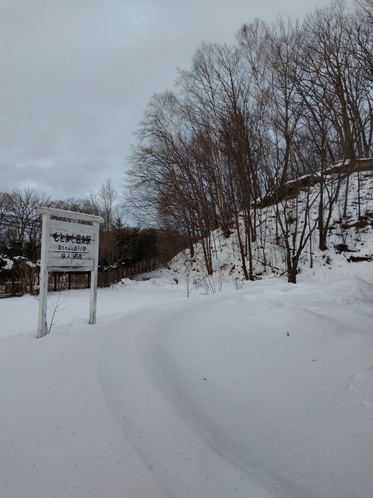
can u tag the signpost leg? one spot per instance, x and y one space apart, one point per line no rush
92 310
94 275
43 296
43 289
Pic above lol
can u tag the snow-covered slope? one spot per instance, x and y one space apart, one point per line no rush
350 243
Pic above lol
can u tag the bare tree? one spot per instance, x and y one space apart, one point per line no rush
20 234
168 182
21 225
105 199
292 99
367 7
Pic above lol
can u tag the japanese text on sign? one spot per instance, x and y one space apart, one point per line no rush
74 239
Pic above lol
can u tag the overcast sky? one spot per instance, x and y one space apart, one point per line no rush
76 76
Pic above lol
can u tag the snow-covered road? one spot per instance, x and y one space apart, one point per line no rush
262 392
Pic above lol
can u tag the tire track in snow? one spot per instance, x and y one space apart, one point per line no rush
170 445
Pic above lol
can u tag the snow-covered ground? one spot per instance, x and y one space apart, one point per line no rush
244 389
265 391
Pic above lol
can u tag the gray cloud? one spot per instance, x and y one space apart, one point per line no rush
75 78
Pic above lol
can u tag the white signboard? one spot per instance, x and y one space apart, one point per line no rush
67 246
71 246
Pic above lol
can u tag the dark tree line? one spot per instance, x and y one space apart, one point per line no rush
287 100
20 232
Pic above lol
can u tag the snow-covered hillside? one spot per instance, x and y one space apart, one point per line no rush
264 389
349 241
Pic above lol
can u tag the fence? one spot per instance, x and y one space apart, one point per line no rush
110 276
63 281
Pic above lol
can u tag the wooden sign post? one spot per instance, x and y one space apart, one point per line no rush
67 246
